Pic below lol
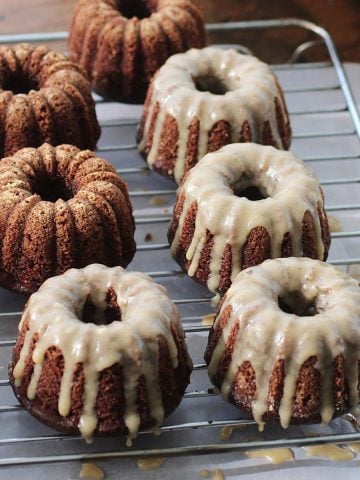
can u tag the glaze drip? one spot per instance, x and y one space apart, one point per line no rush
333 332
213 85
291 190
53 315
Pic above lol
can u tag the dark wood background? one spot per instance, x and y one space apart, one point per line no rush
340 17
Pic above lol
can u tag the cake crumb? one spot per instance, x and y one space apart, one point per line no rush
148 237
91 471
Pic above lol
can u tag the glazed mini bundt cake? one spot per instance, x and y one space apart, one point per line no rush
121 43
60 208
204 99
43 98
285 344
241 205
99 351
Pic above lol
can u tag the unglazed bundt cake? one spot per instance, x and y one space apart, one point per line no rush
241 205
60 208
121 43
100 350
43 98
204 99
285 345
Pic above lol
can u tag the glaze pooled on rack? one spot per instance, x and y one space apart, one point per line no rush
204 99
100 350
285 345
241 205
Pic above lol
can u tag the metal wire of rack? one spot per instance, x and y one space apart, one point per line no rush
316 93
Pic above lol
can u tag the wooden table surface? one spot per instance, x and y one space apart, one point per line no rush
340 17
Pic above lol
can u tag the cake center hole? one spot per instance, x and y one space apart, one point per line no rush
250 192
19 83
135 8
51 189
210 83
104 314
295 303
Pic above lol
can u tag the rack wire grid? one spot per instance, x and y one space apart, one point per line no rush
326 129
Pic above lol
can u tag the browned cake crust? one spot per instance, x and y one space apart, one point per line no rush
256 249
219 136
194 107
307 399
110 402
121 44
133 367
43 98
60 208
216 230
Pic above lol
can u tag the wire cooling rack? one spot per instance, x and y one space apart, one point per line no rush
326 128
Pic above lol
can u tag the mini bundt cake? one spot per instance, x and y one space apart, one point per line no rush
99 351
121 43
60 208
204 99
43 98
285 345
241 205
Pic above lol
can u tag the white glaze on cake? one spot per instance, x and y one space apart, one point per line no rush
54 313
252 89
333 331
291 188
